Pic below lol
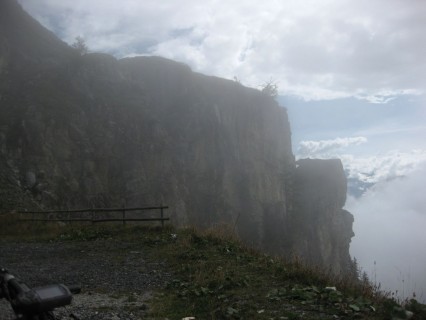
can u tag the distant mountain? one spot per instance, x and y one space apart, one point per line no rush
91 130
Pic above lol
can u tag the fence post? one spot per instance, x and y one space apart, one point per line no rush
162 221
124 214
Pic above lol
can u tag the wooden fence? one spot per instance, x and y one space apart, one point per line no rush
93 215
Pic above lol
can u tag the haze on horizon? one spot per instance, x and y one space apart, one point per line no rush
351 74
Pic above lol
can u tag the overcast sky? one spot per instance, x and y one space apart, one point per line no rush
351 74
317 49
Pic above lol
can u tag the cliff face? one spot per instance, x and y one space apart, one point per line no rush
78 131
323 228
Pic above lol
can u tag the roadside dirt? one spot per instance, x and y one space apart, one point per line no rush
117 278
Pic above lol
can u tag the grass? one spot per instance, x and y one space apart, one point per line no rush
215 276
219 278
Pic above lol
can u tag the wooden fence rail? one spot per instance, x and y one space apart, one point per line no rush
94 212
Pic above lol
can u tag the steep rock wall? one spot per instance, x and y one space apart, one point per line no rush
78 131
323 228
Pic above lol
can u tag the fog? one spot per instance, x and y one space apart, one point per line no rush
390 237
351 74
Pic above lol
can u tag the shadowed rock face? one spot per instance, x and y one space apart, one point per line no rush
78 131
324 229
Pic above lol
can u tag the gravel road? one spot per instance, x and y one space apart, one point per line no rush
116 277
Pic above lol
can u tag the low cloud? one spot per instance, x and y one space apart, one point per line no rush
370 169
389 234
326 148
383 167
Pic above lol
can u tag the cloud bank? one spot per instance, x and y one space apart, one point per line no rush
371 168
389 226
326 148
314 49
383 167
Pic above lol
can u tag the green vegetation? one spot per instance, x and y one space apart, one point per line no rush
215 276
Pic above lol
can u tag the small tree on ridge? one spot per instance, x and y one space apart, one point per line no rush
80 46
270 88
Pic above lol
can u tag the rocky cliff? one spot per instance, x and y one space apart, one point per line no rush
91 130
323 230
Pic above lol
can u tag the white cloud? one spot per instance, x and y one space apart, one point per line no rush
317 50
385 96
389 229
383 167
326 148
371 168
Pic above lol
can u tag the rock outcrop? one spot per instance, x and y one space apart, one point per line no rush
91 130
323 228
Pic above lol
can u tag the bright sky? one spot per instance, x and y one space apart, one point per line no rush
351 73
316 49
